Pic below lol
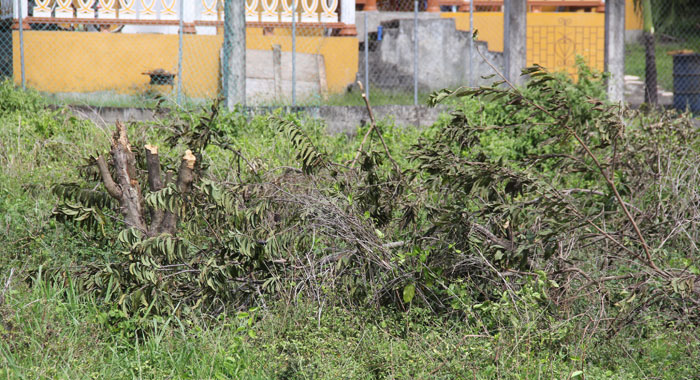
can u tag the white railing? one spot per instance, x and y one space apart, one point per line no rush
281 10
273 11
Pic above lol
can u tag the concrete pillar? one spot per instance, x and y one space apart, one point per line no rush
347 17
515 30
615 48
234 52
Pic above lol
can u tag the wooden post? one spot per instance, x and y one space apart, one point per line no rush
277 69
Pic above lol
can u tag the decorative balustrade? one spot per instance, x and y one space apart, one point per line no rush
199 12
323 11
307 11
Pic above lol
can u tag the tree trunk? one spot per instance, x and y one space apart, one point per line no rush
650 88
127 190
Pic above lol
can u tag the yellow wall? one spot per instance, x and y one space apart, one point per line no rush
92 62
488 24
554 39
633 17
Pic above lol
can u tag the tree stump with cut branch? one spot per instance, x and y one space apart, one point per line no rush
125 188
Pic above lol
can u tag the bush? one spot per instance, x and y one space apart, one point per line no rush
458 221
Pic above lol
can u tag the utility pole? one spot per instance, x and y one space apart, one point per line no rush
233 68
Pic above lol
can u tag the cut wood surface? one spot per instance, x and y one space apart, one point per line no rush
127 190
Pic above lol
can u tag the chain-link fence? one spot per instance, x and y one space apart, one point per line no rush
675 47
6 39
313 52
6 48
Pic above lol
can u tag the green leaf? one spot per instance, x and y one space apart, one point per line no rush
576 374
409 291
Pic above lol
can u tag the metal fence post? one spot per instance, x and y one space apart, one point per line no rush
415 52
366 57
179 55
471 43
21 44
294 53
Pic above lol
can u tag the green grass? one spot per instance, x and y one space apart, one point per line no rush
635 61
49 330
110 99
378 97
150 100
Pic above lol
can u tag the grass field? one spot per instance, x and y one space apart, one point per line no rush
50 329
635 59
146 100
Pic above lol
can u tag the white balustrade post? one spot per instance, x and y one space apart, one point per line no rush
42 8
347 17
189 15
18 5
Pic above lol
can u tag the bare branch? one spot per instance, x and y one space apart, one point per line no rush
112 188
185 178
155 182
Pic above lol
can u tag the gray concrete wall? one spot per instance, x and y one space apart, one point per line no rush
443 56
375 18
262 84
338 119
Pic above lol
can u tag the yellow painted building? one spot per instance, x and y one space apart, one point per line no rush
89 62
553 39
85 62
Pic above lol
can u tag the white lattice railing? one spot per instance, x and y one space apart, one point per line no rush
307 11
